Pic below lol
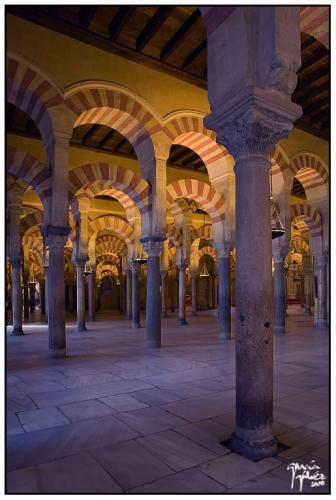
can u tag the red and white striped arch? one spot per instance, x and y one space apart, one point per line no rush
189 131
22 165
30 221
311 171
311 217
114 224
208 250
107 257
204 231
34 91
115 107
208 198
134 190
110 244
314 21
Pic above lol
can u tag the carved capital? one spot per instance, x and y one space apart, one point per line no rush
252 122
153 247
223 249
134 266
182 266
55 242
320 259
15 262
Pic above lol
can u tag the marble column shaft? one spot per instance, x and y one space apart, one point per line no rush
194 278
32 290
279 296
224 295
128 294
135 295
164 294
307 292
321 265
81 326
26 308
182 315
16 297
91 295
153 300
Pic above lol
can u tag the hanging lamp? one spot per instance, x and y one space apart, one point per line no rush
140 257
276 222
87 269
204 271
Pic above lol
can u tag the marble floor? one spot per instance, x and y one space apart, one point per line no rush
115 417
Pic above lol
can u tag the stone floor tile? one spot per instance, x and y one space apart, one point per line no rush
22 481
265 483
186 481
150 420
76 474
41 386
176 450
85 410
90 379
37 447
203 407
123 402
300 442
319 426
13 425
45 418
234 469
130 464
207 433
155 397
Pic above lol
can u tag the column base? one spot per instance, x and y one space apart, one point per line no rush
153 344
253 451
17 332
136 325
307 312
279 330
321 323
81 328
164 314
225 335
57 353
182 322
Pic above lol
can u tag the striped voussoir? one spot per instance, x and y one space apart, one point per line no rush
208 250
315 21
113 109
300 245
127 203
207 197
310 216
31 220
26 167
113 243
107 258
278 162
32 92
190 132
174 234
107 269
133 188
204 231
309 170
112 223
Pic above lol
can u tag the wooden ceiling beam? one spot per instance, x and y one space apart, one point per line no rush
179 36
121 144
318 56
320 112
119 21
107 137
192 56
86 14
316 106
153 26
307 43
312 77
308 127
90 133
311 91
10 115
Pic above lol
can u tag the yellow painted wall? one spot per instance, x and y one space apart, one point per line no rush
298 140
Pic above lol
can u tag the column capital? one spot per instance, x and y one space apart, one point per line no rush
182 266
134 266
252 122
81 261
153 245
279 253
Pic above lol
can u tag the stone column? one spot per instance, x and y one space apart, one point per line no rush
182 316
250 122
80 264
194 278
173 292
213 291
128 294
45 268
26 294
279 295
135 295
32 291
91 294
163 294
224 292
16 296
307 283
55 239
42 296
321 267
153 247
